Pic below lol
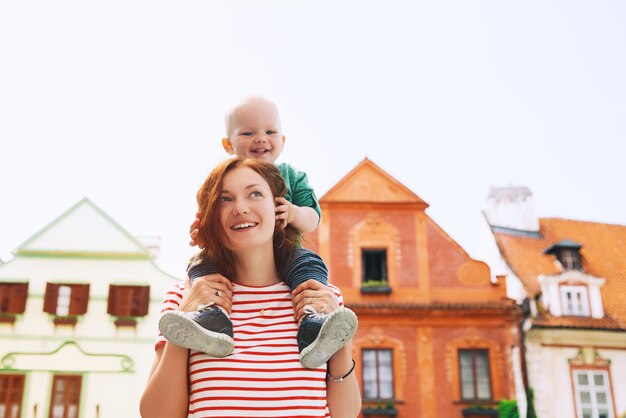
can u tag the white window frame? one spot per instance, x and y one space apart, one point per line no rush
578 293
593 391
373 368
63 301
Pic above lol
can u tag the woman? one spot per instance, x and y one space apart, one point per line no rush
263 377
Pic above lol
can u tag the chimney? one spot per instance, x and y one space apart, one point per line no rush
511 207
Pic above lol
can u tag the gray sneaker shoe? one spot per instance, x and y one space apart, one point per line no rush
320 335
208 330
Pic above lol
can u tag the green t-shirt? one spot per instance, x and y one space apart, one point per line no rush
299 192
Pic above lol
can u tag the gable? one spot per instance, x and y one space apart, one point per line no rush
82 229
368 183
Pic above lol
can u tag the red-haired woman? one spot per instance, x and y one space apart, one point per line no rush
263 376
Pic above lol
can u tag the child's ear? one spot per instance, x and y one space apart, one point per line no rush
283 137
228 146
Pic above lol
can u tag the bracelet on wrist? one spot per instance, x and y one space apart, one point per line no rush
340 378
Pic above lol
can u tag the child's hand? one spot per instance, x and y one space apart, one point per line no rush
285 211
194 231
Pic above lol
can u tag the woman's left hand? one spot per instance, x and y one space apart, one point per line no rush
315 294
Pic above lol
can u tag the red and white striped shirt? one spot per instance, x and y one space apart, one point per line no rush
263 376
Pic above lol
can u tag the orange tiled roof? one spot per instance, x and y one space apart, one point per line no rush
546 320
505 305
603 255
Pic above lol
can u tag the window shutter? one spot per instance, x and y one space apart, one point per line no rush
66 391
50 299
4 295
144 297
124 301
85 299
112 304
128 300
11 393
79 299
18 298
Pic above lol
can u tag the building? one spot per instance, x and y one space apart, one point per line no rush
572 275
436 335
79 305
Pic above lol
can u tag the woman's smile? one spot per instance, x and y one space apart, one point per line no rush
244 226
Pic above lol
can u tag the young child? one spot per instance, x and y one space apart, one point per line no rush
253 131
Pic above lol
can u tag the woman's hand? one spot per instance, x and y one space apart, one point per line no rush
314 294
213 288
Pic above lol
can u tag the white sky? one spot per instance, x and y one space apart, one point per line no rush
123 102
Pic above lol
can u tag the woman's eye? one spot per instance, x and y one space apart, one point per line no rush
256 194
225 199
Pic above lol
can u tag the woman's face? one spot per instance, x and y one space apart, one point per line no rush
247 210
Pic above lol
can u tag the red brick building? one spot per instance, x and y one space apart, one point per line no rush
436 335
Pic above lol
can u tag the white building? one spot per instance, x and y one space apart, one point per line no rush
572 276
79 305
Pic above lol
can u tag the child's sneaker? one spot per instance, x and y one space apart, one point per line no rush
321 335
208 330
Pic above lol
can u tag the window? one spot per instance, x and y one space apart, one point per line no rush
128 300
65 396
66 299
377 374
593 394
574 300
475 376
374 265
570 259
568 254
13 298
11 392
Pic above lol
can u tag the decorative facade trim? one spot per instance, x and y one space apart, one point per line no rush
474 340
373 232
44 361
377 339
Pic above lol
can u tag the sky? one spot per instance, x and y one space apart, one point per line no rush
123 102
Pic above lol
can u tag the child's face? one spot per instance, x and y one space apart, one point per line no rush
254 132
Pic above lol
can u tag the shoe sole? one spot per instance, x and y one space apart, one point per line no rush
339 328
179 329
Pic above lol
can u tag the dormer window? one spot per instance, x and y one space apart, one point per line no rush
570 259
568 254
575 300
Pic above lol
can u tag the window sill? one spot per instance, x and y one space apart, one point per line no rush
65 320
385 290
125 322
369 412
7 319
474 412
